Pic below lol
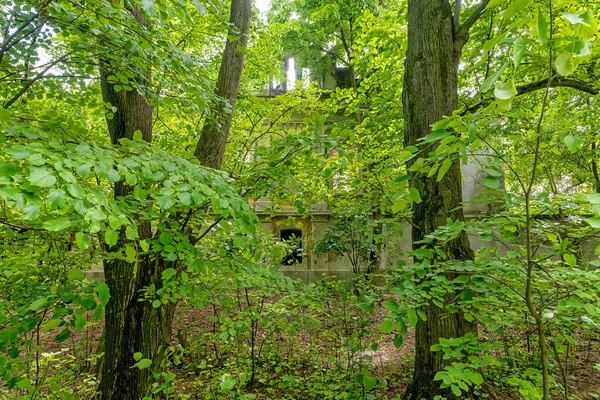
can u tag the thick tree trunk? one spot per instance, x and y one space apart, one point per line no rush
430 93
213 138
130 325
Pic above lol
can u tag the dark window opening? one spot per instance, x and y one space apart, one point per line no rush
294 238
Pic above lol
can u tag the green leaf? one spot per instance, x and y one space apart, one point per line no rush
31 212
590 28
4 115
114 222
565 65
80 323
156 303
504 104
444 168
572 142
413 195
36 159
130 254
113 175
593 198
98 313
574 19
489 82
490 44
491 181
57 198
88 302
83 242
57 224
165 238
402 328
369 382
456 390
137 135
390 305
495 3
594 222
53 323
412 317
398 205
476 378
131 179
137 356
131 233
505 90
8 170
570 259
227 383
63 335
398 340
38 304
83 170
492 172
75 274
467 295
19 151
548 314
103 293
542 28
169 273
24 383
387 326
518 51
95 214
143 363
165 202
149 7
435 347
111 237
435 136
76 190
514 8
42 177
199 7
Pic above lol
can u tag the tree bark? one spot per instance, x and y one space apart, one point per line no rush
429 94
213 137
131 325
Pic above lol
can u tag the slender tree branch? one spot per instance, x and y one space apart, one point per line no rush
8 43
558 81
35 79
456 17
462 32
555 81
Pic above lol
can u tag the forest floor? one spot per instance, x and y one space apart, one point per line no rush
395 364
197 377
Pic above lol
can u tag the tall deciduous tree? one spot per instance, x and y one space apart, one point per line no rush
131 325
435 45
213 138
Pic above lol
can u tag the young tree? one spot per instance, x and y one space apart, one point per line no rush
130 323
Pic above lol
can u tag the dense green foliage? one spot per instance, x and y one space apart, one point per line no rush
528 87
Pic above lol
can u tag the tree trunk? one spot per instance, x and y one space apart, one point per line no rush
130 325
213 138
429 94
